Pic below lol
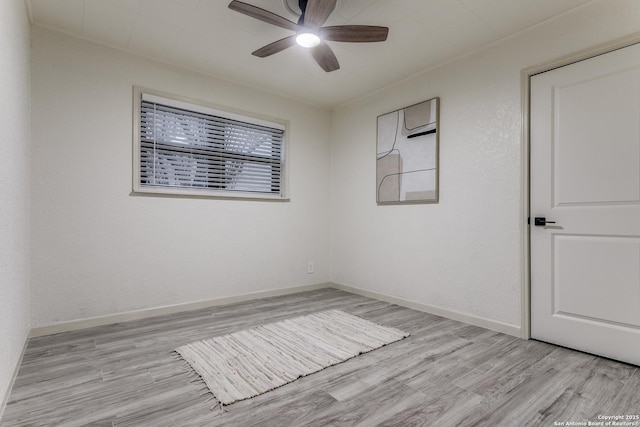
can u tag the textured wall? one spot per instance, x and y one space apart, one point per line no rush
14 186
463 254
97 250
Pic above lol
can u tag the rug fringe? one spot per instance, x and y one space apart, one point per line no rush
222 410
196 379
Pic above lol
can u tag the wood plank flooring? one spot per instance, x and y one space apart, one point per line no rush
446 373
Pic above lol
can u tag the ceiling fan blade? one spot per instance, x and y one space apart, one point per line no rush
325 57
275 47
354 33
262 15
317 12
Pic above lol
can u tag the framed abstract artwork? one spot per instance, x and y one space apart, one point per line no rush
407 154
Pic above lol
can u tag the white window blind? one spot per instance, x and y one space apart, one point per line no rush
185 146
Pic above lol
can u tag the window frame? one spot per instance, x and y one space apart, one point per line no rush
206 108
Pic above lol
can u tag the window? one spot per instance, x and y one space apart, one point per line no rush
185 148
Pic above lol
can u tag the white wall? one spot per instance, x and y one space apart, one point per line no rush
14 187
97 250
463 254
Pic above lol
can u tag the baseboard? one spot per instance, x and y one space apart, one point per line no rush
5 399
439 311
90 322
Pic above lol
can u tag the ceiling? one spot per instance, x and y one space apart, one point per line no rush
208 37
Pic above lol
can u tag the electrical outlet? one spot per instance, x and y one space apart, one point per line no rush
310 267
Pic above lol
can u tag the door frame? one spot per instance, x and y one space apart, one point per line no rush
525 77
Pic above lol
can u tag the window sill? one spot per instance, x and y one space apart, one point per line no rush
183 193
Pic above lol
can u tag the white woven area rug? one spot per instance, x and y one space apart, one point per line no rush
251 362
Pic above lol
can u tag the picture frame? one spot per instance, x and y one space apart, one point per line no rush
407 154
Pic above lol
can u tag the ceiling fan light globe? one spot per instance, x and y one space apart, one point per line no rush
308 39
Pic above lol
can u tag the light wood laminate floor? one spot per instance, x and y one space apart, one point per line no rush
446 373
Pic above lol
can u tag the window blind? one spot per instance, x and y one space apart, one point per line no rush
182 147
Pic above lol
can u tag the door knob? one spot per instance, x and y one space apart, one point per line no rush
541 221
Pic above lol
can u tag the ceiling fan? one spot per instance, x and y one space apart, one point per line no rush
310 32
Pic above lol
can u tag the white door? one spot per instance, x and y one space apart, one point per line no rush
585 176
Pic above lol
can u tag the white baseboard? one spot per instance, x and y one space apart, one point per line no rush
171 309
90 322
5 399
482 322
